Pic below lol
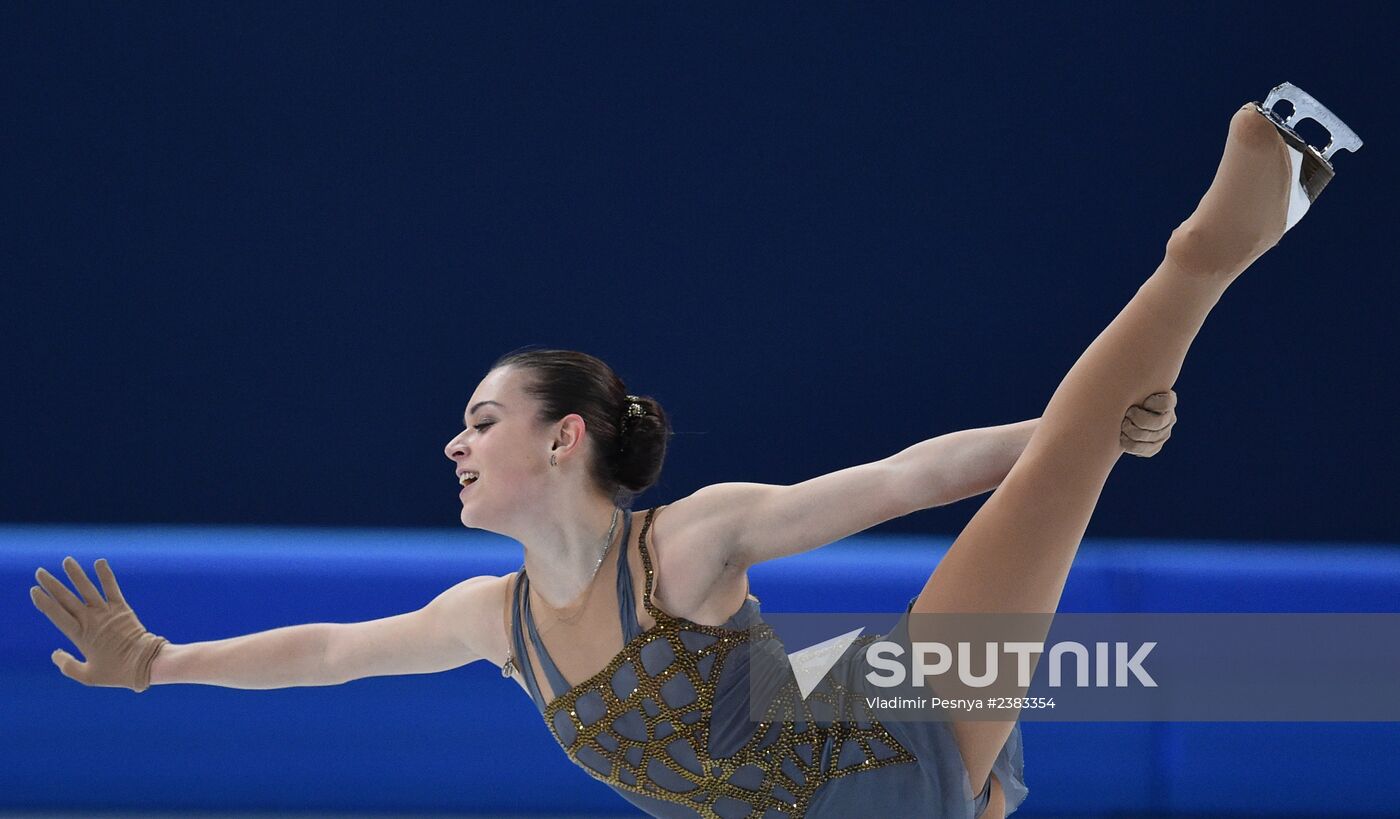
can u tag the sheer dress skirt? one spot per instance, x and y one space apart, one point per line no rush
936 784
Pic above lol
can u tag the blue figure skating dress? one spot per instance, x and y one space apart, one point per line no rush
667 724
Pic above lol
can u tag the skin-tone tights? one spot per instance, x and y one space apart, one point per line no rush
1015 553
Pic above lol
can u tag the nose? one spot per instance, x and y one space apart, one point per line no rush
454 447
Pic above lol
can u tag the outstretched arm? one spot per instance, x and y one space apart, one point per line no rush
741 524
119 652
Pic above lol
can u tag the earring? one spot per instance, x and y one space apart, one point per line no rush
552 462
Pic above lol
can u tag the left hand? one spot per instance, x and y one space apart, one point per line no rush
1148 425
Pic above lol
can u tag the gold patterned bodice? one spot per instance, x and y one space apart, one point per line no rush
643 724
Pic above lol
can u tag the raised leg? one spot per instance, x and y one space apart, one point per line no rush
1015 553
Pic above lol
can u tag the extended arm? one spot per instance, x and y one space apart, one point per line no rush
437 637
121 653
741 524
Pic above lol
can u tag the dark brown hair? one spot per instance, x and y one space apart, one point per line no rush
628 451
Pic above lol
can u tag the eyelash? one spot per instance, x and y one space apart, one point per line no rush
480 427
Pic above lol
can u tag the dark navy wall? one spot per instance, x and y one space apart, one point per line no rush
257 256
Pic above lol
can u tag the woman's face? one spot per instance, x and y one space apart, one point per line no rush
505 447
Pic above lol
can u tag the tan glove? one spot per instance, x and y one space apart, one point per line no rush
119 650
1148 425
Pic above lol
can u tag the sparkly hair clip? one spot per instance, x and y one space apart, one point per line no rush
634 411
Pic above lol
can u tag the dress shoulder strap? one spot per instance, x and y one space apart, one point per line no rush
649 580
519 659
626 597
557 684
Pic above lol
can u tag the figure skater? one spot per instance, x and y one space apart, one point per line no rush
641 683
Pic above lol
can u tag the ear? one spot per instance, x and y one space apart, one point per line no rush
569 433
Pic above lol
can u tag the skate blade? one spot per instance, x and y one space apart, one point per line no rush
1317 168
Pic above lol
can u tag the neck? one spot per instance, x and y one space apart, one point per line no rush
562 549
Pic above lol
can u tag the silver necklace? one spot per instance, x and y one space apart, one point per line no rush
508 668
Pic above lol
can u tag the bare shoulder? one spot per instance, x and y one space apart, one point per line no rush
690 540
475 611
711 521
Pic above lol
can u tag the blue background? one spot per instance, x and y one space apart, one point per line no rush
259 255
255 258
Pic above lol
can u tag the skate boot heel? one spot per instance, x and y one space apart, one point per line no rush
1312 167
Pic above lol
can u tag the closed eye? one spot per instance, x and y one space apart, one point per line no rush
480 427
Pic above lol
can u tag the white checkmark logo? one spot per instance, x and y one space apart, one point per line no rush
812 663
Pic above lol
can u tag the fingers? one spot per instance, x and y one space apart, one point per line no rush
1143 419
110 589
1139 424
1143 449
71 668
64 621
1161 401
81 582
59 592
1131 433
1148 425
